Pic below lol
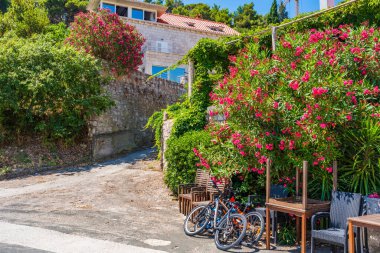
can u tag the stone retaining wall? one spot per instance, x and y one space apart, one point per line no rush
121 129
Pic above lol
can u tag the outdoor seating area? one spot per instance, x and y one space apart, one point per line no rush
341 222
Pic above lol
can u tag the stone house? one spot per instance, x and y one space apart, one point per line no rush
168 37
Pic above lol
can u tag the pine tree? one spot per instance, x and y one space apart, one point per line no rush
273 17
282 13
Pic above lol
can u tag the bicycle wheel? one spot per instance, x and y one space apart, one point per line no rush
255 228
230 231
197 220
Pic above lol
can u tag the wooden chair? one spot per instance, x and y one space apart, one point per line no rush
187 193
203 198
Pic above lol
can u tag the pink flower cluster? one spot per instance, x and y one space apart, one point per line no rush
319 91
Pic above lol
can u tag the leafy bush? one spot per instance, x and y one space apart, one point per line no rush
181 158
48 88
107 37
292 106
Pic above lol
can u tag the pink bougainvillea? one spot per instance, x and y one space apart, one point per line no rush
107 37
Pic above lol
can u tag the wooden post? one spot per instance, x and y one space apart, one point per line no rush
274 38
267 228
190 78
303 240
351 241
268 180
298 230
335 176
267 209
304 185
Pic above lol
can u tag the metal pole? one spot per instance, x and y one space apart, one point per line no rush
274 38
191 78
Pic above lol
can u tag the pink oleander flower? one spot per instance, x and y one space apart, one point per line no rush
319 91
286 44
323 125
306 76
374 195
269 146
254 72
294 85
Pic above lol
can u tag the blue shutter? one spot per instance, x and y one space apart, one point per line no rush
110 7
176 74
156 69
138 14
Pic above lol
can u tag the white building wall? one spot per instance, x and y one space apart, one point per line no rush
324 4
178 40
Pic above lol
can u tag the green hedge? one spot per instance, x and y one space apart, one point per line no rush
181 158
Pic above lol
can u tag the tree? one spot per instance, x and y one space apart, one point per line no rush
4 5
273 17
282 13
64 10
200 11
172 4
107 37
246 17
26 17
221 15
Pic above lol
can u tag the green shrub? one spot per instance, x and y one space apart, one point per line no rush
47 88
181 158
360 168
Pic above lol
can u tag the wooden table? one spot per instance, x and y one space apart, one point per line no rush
300 206
367 221
295 206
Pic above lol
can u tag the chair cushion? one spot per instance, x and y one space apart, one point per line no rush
335 235
184 196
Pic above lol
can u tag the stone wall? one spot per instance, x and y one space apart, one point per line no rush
121 129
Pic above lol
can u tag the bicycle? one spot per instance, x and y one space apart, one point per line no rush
229 227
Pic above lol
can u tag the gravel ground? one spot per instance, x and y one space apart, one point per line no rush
122 201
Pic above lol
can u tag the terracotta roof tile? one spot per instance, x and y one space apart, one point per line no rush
196 24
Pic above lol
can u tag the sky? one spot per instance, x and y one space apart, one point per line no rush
261 6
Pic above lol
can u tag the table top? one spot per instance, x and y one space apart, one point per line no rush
294 206
372 220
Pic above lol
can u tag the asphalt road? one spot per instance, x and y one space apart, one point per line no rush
120 206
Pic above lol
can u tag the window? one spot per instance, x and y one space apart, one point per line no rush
157 69
176 74
162 46
110 7
122 11
137 14
149 16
